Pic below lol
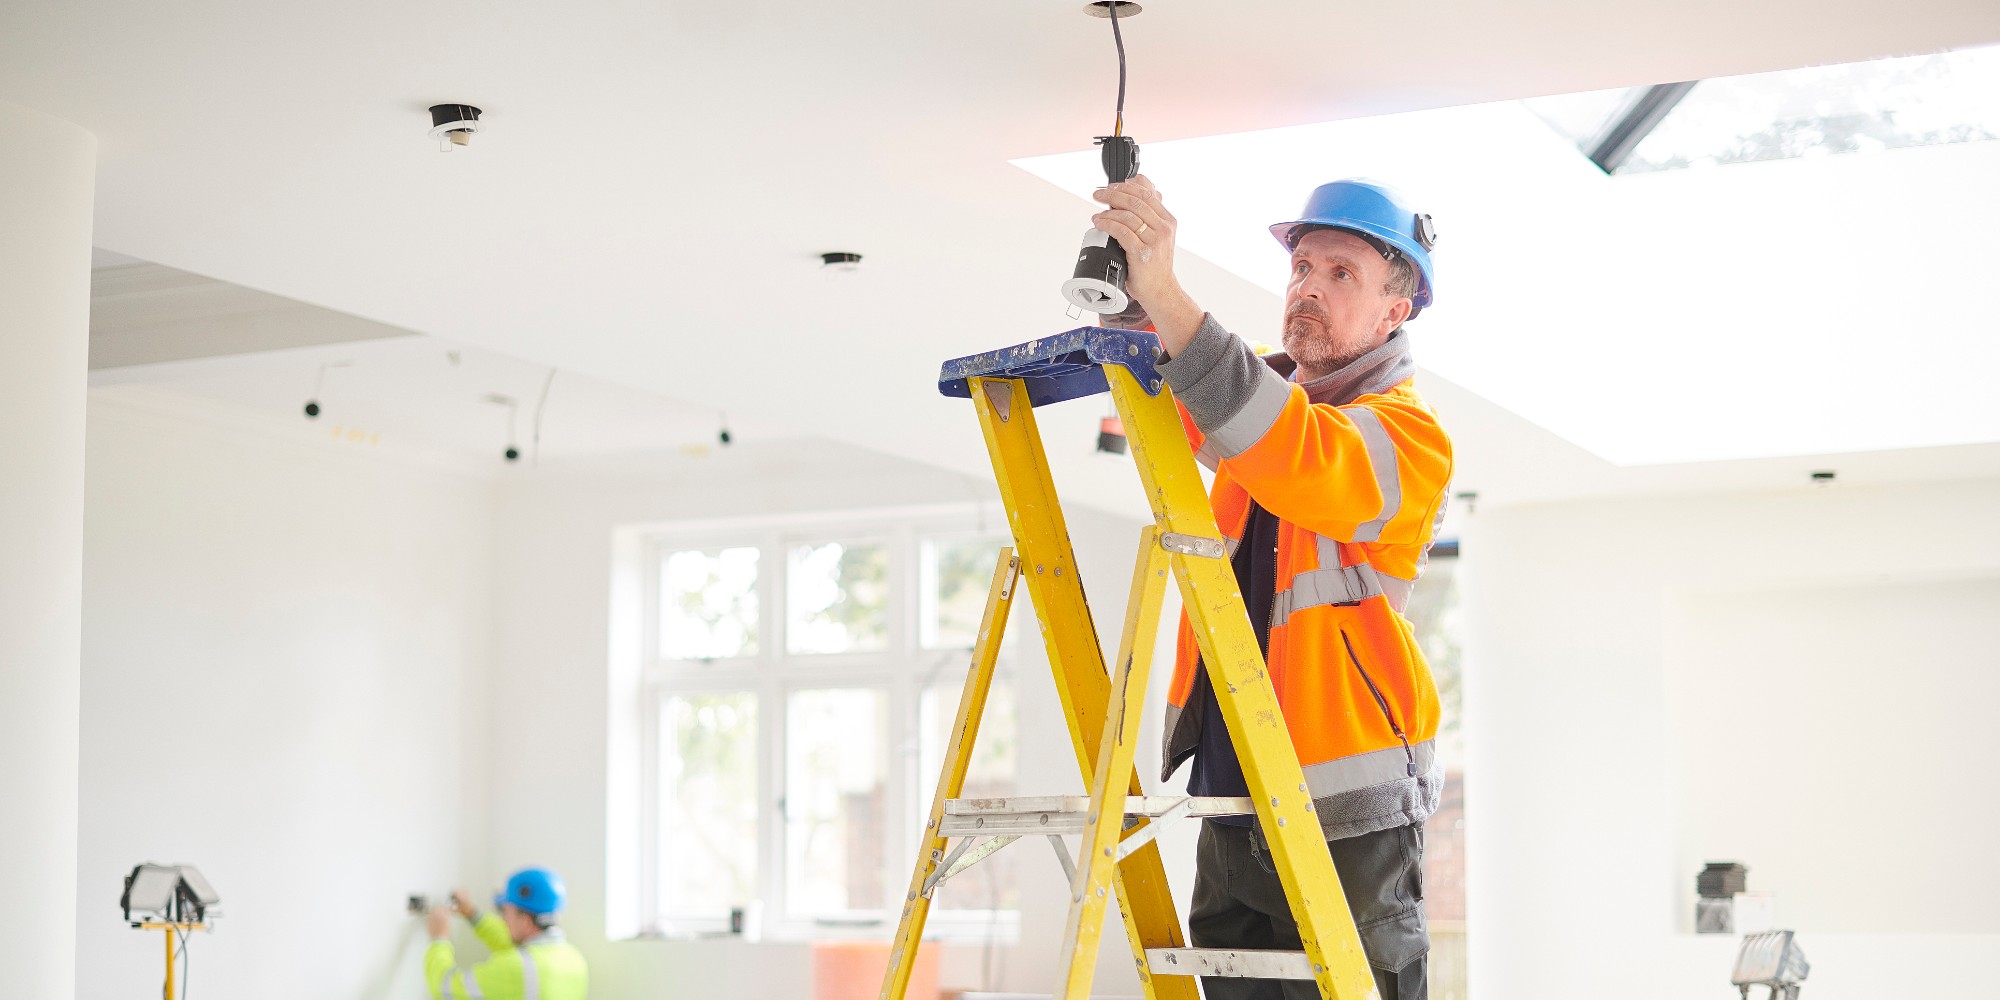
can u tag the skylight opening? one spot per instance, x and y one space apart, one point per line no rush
1821 110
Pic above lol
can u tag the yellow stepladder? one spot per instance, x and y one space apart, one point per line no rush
1116 821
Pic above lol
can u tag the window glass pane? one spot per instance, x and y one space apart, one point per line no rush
1437 617
837 597
953 579
993 883
1847 108
708 604
1584 118
1439 623
836 771
708 803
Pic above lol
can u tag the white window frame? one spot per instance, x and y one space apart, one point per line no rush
773 674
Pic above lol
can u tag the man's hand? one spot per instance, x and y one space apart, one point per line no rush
462 902
438 922
1138 219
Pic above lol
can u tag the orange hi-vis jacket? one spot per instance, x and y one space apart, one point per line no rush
1356 468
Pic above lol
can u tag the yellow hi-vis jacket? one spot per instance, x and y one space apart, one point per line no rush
1356 468
540 968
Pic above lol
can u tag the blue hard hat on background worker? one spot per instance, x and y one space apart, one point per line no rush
529 958
1376 213
535 890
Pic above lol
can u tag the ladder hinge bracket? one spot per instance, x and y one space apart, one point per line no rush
1001 395
1193 545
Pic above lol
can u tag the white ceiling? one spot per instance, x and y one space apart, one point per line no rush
429 399
656 179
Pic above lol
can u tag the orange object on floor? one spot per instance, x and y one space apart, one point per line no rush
852 970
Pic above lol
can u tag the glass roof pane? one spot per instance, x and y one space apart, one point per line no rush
1852 107
1583 118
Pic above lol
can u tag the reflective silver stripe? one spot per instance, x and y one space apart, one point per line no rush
1388 478
1339 585
1437 524
1254 420
531 977
1396 589
1329 552
1365 769
471 984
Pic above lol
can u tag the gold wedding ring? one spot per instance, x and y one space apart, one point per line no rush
1142 229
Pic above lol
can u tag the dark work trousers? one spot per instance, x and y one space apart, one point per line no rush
1238 903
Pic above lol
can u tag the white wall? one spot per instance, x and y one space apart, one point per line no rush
552 607
283 668
1851 631
46 172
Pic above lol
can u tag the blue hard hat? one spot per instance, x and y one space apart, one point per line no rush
1376 213
536 890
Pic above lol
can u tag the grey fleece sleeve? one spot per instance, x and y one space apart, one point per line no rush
1232 394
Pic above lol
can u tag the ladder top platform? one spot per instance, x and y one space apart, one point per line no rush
1065 366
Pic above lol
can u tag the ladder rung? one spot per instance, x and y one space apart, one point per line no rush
1068 813
1239 964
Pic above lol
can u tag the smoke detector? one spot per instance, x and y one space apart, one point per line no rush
453 124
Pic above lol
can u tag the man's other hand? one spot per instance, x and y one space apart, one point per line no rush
462 902
438 923
1136 217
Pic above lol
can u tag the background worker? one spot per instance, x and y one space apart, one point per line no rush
529 960
1331 475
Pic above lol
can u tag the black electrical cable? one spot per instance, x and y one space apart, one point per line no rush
186 962
1118 124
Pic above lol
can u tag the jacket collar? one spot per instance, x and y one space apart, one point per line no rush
1378 370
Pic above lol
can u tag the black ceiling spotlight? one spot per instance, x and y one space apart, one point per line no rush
453 124
723 436
840 260
1823 477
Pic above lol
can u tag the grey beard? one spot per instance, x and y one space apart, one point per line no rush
1312 353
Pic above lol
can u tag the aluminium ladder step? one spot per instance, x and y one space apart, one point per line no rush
1240 963
1065 814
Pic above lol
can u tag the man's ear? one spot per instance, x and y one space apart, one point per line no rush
1399 311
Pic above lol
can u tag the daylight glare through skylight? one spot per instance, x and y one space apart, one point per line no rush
1851 107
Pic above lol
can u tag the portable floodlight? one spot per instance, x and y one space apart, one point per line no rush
1771 959
198 898
169 893
150 891
171 898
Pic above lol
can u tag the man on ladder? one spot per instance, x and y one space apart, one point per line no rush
1331 476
